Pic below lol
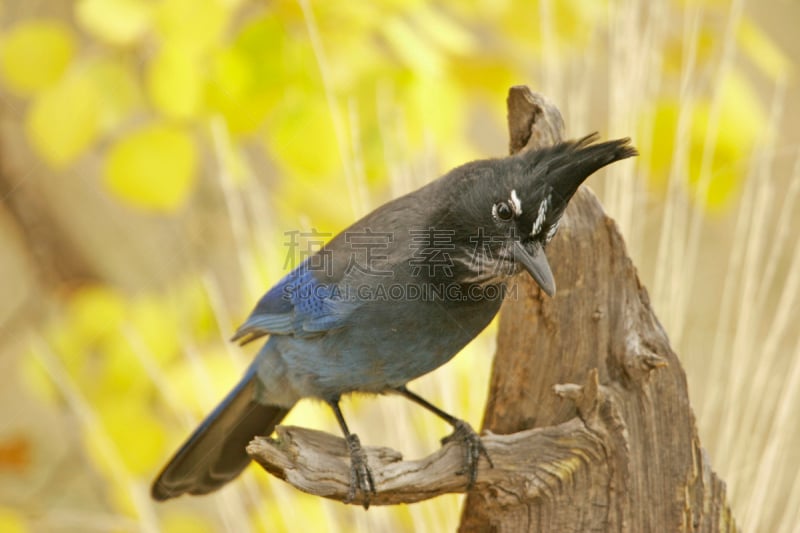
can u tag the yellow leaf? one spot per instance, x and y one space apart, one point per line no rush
435 109
489 74
156 323
230 74
742 115
174 82
184 522
412 50
231 93
94 311
247 79
119 371
665 125
194 310
301 137
704 48
201 382
762 50
195 25
115 21
62 121
129 424
12 521
69 345
574 21
739 128
35 54
717 159
443 30
152 168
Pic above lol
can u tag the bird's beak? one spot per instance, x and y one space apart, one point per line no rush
537 266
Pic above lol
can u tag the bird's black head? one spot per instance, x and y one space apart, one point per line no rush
505 211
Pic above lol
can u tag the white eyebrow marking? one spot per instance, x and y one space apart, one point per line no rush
516 204
541 215
551 232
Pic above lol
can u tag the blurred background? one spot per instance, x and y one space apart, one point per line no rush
156 156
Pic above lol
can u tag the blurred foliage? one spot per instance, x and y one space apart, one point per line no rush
721 148
141 84
176 63
35 55
723 122
109 343
153 166
11 521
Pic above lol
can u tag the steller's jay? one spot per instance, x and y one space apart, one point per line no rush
391 298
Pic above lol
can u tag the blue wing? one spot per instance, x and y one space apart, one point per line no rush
300 304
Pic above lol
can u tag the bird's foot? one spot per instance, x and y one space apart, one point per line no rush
473 449
360 473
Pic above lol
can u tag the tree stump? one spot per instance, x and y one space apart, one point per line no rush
588 421
652 474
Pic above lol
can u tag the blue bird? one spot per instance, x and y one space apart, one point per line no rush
392 297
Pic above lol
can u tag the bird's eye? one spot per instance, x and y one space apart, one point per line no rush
503 211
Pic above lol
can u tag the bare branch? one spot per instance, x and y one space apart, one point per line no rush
527 464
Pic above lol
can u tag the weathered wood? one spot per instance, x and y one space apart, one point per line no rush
654 475
526 464
588 421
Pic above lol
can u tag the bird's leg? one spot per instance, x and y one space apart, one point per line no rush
360 474
473 447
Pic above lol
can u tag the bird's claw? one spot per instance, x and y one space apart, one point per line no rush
473 449
360 473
